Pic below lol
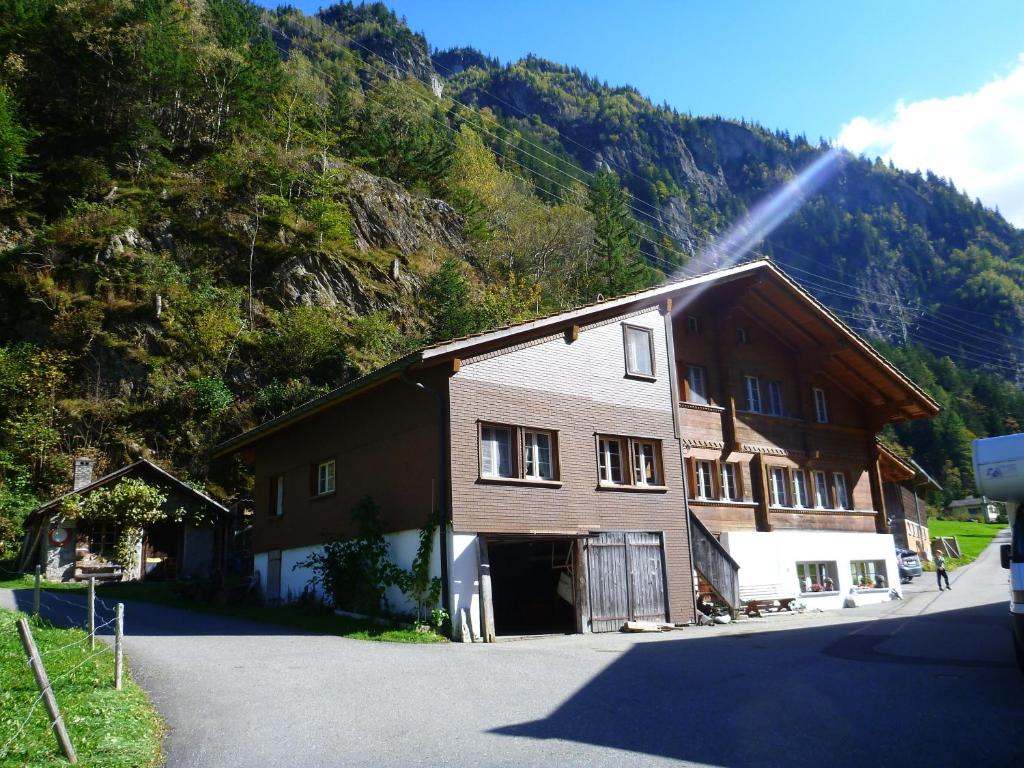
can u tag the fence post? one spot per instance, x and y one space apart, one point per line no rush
35 594
92 613
118 646
43 681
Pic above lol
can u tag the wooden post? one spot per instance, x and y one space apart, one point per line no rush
59 731
35 594
92 613
581 590
119 646
486 601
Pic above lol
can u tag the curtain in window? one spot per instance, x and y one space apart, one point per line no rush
497 452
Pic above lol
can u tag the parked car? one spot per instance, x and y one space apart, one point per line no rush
909 564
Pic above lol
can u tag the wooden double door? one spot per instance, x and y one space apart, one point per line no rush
626 575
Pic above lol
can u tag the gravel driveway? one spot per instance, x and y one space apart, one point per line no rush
855 687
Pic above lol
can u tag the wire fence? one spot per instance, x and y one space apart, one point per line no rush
53 610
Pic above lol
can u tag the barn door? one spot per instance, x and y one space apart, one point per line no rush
627 579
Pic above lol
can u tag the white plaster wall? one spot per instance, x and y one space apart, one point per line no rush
464 572
771 558
403 546
592 367
259 565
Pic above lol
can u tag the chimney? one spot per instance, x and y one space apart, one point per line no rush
83 472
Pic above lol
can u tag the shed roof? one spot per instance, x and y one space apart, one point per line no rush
141 465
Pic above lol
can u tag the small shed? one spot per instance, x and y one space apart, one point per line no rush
69 549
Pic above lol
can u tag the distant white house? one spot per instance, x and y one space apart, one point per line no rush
978 508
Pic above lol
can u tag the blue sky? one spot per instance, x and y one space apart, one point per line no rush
808 67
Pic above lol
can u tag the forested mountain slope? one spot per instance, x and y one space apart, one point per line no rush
211 213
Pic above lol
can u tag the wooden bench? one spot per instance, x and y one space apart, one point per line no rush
767 597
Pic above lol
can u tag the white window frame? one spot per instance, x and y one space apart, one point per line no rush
842 491
531 454
640 463
277 497
800 496
821 495
604 460
752 390
730 486
820 405
775 406
778 487
326 477
632 364
816 569
697 394
490 452
704 471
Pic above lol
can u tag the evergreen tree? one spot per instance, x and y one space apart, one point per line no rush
449 303
619 267
14 140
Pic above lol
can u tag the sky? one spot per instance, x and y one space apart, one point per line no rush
929 84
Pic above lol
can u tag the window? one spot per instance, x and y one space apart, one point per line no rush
609 459
692 324
277 495
741 335
705 480
816 577
325 477
639 350
777 486
537 450
518 453
799 488
775 398
842 498
496 451
643 457
820 406
730 491
645 463
696 381
753 392
821 500
869 574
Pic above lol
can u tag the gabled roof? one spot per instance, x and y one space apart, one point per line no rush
918 402
143 465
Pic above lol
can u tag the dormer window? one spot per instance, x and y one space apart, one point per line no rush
639 344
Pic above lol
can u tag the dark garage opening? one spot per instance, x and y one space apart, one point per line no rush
525 578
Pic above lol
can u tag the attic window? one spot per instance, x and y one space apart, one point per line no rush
639 344
692 324
741 335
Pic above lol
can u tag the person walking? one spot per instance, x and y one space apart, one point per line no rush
940 570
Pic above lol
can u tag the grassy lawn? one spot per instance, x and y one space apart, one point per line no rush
973 537
310 618
107 727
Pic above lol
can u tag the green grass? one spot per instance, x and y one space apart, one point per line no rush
972 537
310 618
108 728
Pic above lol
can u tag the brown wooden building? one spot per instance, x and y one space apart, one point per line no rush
560 452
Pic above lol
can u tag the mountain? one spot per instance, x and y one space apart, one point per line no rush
212 213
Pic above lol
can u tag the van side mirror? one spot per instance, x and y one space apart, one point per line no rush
1004 555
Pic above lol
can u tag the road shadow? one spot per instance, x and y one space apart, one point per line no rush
937 690
68 608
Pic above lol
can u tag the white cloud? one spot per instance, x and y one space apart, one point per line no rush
975 139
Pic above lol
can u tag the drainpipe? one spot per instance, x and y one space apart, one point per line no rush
442 484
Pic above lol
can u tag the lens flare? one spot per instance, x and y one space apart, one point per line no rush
761 220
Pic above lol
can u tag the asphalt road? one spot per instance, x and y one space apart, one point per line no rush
926 681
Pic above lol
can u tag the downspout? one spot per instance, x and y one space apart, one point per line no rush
444 518
670 344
